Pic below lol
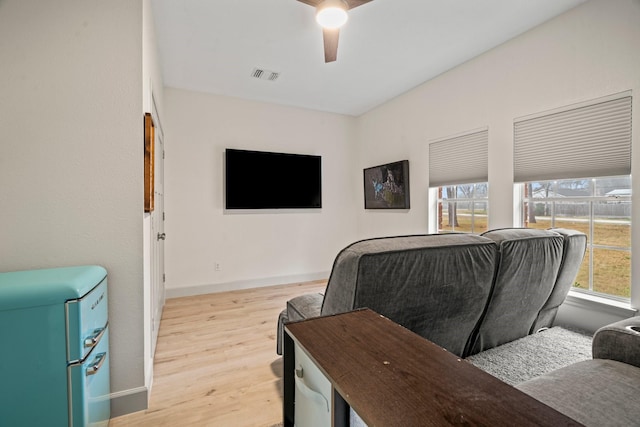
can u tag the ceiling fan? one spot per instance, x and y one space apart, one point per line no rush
331 15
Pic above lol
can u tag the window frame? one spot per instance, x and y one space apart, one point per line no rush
436 193
592 219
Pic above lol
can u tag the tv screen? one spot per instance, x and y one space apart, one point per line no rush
263 180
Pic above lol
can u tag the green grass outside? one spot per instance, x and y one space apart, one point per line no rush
611 268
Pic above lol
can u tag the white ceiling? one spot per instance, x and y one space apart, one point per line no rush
386 48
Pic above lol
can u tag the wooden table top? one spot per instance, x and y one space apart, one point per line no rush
393 377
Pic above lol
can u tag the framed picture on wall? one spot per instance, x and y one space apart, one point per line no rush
148 162
387 186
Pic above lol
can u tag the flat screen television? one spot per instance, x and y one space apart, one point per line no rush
264 180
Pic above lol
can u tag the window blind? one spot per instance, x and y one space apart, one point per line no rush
588 141
459 160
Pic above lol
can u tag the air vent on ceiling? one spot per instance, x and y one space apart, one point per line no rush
262 74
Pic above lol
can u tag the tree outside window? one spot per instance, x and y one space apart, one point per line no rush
463 208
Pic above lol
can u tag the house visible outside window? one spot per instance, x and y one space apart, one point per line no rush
600 208
463 208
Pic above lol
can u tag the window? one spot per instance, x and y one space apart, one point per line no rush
463 208
458 174
553 153
600 208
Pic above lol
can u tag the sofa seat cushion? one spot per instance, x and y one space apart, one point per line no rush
594 392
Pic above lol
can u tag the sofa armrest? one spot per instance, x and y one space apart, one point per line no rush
304 307
298 308
619 341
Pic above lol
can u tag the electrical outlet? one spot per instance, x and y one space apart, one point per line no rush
217 266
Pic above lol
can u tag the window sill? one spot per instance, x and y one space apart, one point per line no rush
601 304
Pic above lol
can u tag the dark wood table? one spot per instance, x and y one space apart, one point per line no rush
393 377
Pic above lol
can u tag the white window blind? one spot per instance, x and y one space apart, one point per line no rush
459 160
587 141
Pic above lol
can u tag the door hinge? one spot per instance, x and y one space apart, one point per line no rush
163 216
164 277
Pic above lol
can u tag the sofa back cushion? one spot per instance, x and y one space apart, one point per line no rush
527 270
435 285
575 246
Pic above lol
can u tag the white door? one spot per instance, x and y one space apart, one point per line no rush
157 233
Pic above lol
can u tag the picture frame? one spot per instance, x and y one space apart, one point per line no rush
149 167
387 186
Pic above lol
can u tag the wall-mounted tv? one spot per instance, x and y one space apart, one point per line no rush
264 180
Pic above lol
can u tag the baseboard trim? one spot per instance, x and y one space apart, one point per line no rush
129 401
175 292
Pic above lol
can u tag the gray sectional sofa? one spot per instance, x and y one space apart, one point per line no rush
466 293
603 391
471 293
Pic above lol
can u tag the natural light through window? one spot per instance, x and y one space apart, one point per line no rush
600 208
463 208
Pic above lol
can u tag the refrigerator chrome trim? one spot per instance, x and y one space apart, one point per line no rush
67 332
93 369
69 397
78 362
93 340
67 304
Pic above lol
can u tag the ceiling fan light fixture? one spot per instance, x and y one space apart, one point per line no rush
332 14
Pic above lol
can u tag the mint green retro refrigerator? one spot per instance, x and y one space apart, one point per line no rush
54 347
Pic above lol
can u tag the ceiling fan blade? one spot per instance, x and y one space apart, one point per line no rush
313 3
352 3
330 37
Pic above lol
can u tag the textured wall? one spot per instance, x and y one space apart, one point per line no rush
588 52
252 248
71 152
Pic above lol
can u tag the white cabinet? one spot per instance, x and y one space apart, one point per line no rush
312 393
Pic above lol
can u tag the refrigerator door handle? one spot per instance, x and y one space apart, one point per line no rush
91 341
97 364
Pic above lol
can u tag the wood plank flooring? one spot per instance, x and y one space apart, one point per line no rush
216 361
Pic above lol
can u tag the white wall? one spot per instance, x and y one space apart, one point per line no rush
152 83
252 248
70 152
589 52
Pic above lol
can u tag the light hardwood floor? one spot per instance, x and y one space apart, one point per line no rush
216 362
